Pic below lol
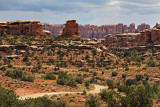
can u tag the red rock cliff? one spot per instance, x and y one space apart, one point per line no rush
149 35
71 29
24 27
95 31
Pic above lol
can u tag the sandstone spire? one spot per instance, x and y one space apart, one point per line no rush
71 29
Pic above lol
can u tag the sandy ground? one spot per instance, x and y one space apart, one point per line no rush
97 89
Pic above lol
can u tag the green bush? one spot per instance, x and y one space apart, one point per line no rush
124 76
130 82
50 76
28 78
87 84
28 63
108 96
139 77
65 79
126 69
93 101
114 73
79 79
122 88
151 63
17 73
110 84
3 68
94 73
51 60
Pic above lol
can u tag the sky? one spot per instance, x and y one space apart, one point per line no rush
95 12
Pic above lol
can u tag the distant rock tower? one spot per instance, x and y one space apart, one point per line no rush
71 30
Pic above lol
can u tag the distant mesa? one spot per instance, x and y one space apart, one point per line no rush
71 29
24 27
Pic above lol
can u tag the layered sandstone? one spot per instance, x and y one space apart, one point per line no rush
98 32
71 29
119 40
142 27
24 27
149 36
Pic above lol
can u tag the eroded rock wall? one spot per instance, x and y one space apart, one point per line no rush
95 31
24 27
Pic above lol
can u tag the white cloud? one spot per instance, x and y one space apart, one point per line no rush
85 11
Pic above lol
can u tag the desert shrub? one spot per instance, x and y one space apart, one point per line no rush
65 79
93 80
127 53
28 63
80 64
8 98
114 73
94 73
126 69
87 84
93 101
102 72
87 57
110 84
147 77
122 88
51 61
28 78
139 77
62 81
50 76
140 97
108 96
151 63
79 79
94 52
130 82
135 97
155 88
18 74
25 58
84 92
3 68
124 76
72 82
35 69
10 65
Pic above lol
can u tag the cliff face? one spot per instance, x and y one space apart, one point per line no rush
71 29
119 40
95 31
149 35
24 27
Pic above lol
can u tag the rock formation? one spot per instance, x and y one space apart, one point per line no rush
149 36
119 40
56 29
24 27
71 29
98 32
142 27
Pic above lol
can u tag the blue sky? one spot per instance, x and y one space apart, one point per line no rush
97 12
